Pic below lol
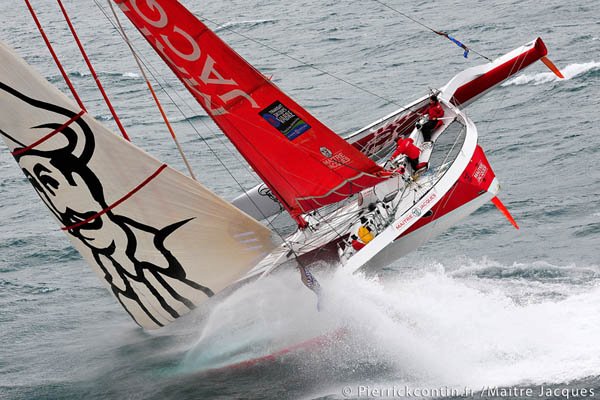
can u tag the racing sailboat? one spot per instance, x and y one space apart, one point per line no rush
164 243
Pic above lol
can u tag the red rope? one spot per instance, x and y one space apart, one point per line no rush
48 136
92 71
54 56
116 203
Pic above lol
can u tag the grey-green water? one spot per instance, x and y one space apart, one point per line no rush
482 305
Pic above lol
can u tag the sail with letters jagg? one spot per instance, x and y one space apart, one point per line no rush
303 162
162 241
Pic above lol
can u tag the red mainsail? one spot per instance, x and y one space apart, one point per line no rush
305 163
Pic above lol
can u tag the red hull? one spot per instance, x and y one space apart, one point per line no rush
475 181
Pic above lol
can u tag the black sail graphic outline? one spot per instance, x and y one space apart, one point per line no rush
72 166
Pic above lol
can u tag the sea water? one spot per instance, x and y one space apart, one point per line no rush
481 311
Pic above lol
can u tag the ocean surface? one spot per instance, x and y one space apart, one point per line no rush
481 309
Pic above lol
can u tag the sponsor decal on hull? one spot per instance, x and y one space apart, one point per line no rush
480 172
417 211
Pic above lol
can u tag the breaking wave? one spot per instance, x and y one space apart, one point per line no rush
569 72
421 327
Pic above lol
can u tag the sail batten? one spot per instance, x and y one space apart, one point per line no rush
293 152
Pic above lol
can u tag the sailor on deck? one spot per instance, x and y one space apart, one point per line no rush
365 233
406 147
434 112
355 243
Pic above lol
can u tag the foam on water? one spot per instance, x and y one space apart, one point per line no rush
569 72
132 75
530 316
86 73
433 328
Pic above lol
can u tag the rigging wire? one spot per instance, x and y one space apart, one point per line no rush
54 56
155 75
303 63
211 149
158 104
440 33
247 123
92 71
308 279
280 53
291 57
163 87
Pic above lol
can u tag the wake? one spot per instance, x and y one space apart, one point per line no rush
429 326
570 71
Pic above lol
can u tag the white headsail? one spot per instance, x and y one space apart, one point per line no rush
163 242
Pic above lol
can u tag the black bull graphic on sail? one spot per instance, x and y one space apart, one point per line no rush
65 168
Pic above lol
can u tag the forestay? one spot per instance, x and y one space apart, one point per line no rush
163 242
305 164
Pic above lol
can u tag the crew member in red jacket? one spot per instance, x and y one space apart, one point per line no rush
407 147
434 111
